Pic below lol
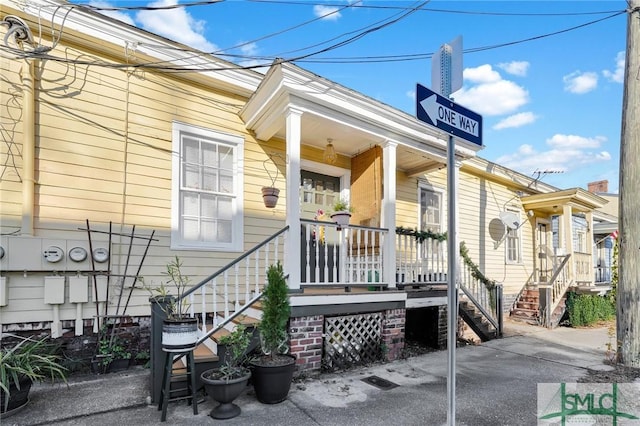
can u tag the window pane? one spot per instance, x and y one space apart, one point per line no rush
226 157
189 204
224 231
225 208
208 230
209 208
209 179
190 178
190 147
190 229
226 182
209 155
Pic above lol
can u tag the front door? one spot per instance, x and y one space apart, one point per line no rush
318 192
544 251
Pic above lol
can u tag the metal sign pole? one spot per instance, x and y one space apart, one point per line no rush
452 289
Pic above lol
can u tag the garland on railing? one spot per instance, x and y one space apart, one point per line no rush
475 270
420 236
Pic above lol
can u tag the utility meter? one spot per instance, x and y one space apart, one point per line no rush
100 254
53 254
78 254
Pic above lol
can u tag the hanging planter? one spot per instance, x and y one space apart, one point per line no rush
341 218
341 213
270 194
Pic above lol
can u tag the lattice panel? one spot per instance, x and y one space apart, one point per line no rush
352 340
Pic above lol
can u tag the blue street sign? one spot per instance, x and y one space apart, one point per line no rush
448 116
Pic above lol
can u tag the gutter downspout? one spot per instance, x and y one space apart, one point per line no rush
28 146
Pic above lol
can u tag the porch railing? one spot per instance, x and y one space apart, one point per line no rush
217 299
583 267
334 255
487 299
602 274
551 294
420 261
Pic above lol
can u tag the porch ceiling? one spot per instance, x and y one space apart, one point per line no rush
551 203
353 121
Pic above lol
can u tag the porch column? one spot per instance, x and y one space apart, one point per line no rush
292 243
567 235
389 212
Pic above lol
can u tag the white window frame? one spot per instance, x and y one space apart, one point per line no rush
440 193
237 227
518 236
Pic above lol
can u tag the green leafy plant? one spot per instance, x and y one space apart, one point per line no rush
169 294
342 205
588 309
275 313
112 347
236 344
33 359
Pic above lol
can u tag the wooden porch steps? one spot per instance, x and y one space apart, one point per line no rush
206 358
476 321
527 306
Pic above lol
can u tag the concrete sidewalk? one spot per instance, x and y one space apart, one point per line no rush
496 385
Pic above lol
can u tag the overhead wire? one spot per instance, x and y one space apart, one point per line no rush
308 58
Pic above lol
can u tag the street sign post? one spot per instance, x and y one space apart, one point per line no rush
460 122
448 116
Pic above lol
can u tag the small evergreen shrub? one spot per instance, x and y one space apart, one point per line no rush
588 309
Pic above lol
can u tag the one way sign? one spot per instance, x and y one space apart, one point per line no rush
448 116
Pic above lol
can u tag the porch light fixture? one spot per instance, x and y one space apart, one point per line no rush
330 155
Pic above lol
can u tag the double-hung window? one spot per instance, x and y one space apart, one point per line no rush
430 210
513 245
207 207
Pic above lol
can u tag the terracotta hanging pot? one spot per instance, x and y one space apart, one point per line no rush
270 196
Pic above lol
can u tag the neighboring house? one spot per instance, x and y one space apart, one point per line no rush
605 231
167 155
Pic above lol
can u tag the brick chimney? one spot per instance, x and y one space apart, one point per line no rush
598 187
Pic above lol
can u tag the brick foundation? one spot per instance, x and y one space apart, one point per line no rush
306 342
393 323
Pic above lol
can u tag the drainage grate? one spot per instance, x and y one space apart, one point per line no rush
379 382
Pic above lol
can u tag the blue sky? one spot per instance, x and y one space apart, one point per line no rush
551 106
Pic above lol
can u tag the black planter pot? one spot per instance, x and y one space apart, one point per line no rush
18 397
224 392
271 383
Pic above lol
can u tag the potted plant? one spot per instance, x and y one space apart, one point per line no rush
30 360
270 194
341 212
272 372
226 382
113 353
179 329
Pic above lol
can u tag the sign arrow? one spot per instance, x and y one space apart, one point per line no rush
438 112
446 115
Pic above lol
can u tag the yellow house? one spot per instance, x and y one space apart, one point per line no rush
122 150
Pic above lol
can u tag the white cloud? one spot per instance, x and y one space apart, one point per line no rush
120 16
574 142
411 94
175 24
481 75
326 12
566 153
518 68
579 83
491 95
617 75
516 120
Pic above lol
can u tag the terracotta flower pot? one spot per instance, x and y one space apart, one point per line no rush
270 196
